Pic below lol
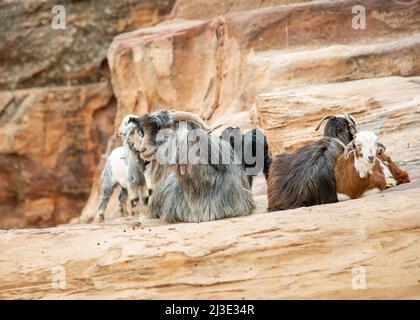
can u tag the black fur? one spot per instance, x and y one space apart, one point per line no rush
338 127
306 177
248 145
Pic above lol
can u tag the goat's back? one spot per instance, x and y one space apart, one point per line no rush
304 178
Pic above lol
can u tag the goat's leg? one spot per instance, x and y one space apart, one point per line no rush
106 195
134 200
250 180
123 196
145 194
399 174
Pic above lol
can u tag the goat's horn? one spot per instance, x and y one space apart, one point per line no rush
322 120
350 119
188 116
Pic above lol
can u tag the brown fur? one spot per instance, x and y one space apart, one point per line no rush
348 180
400 175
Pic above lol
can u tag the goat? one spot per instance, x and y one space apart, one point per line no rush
342 127
358 171
249 147
124 167
306 177
192 191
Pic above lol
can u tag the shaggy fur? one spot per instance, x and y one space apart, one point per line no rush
304 178
338 127
195 192
249 144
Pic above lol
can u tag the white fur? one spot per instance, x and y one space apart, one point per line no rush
343 197
119 167
390 180
362 167
368 143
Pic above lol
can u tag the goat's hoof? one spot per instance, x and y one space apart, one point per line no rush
100 218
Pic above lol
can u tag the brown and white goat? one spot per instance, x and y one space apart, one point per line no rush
363 169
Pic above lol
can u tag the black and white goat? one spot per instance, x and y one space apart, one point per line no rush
125 168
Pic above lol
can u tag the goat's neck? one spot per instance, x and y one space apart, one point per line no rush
134 157
362 167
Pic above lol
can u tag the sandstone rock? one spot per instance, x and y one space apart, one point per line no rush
313 253
217 67
52 141
290 116
32 53
204 9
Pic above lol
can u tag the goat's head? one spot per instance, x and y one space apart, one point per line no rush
365 147
156 123
131 132
342 127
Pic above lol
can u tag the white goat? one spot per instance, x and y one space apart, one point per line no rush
125 167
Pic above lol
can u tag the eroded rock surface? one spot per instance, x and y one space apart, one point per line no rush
52 141
34 54
218 66
314 253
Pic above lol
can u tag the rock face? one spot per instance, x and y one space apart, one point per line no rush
218 66
33 54
204 9
57 109
54 140
351 250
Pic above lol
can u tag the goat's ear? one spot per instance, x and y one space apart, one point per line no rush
134 120
348 149
381 148
120 133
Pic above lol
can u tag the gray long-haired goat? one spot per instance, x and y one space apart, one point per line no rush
193 191
125 168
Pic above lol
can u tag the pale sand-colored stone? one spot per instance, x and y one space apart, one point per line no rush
302 253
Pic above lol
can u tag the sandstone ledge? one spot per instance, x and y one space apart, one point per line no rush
302 253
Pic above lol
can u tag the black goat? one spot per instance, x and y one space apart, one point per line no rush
251 149
306 177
